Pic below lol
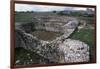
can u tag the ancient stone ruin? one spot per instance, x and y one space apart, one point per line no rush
60 50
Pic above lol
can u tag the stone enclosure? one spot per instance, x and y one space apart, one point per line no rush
60 50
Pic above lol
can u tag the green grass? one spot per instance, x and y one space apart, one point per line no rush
28 17
23 17
85 35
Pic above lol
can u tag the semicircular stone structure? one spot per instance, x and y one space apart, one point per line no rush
60 50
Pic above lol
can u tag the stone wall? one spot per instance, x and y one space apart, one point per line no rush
53 23
63 25
60 50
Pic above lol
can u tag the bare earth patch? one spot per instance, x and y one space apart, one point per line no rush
46 35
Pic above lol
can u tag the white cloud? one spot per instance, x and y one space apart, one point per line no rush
27 7
23 7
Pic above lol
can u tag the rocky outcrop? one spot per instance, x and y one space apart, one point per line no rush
73 51
60 51
43 48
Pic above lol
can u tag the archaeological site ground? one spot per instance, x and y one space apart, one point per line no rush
53 34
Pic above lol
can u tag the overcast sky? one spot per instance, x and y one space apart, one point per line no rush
26 7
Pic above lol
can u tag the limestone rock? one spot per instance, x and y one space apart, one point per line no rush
74 51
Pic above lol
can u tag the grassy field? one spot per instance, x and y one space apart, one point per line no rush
23 17
28 17
85 35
